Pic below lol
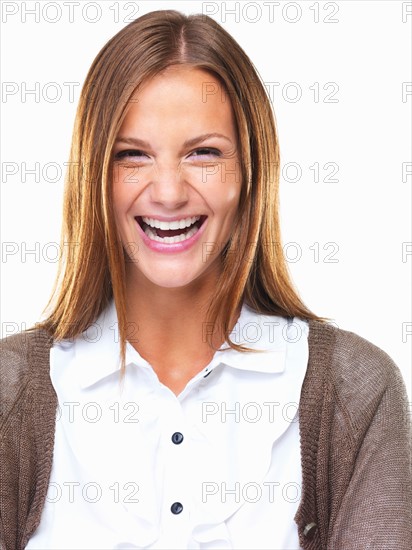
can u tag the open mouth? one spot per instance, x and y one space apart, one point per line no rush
170 232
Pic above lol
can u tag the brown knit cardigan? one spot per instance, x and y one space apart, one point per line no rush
354 429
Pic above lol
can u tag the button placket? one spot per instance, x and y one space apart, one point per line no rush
176 496
177 507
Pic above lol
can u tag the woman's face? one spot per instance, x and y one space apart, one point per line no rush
176 177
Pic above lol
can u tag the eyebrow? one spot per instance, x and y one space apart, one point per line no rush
188 143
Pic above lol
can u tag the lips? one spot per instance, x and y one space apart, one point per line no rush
187 238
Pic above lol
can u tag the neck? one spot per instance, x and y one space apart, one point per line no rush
171 326
167 309
174 316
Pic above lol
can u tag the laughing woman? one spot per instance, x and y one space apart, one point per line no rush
179 394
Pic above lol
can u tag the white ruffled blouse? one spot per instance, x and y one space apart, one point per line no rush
217 466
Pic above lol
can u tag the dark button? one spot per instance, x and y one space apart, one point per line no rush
176 507
177 438
310 530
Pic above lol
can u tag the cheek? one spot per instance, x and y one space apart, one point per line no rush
123 190
226 191
118 205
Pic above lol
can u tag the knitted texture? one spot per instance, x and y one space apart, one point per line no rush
355 438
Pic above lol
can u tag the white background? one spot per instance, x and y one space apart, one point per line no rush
366 214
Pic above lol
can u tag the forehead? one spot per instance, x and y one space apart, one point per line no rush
181 91
184 79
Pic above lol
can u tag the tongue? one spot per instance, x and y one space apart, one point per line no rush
171 232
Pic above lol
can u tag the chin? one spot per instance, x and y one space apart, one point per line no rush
168 279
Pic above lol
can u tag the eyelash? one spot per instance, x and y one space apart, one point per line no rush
132 152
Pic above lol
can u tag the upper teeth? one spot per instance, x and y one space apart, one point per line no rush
177 224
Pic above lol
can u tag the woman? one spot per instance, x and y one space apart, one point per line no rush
155 407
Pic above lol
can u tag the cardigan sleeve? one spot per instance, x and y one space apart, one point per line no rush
375 511
27 416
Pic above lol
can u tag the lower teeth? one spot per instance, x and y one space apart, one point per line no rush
169 240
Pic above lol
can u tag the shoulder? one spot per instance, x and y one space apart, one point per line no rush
352 357
24 362
23 346
359 372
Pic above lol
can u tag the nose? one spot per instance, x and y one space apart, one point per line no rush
168 186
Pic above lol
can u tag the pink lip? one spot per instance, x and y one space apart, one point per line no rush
171 247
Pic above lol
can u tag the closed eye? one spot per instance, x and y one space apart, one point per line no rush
203 152
129 153
206 151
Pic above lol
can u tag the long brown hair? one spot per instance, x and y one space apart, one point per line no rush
92 271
